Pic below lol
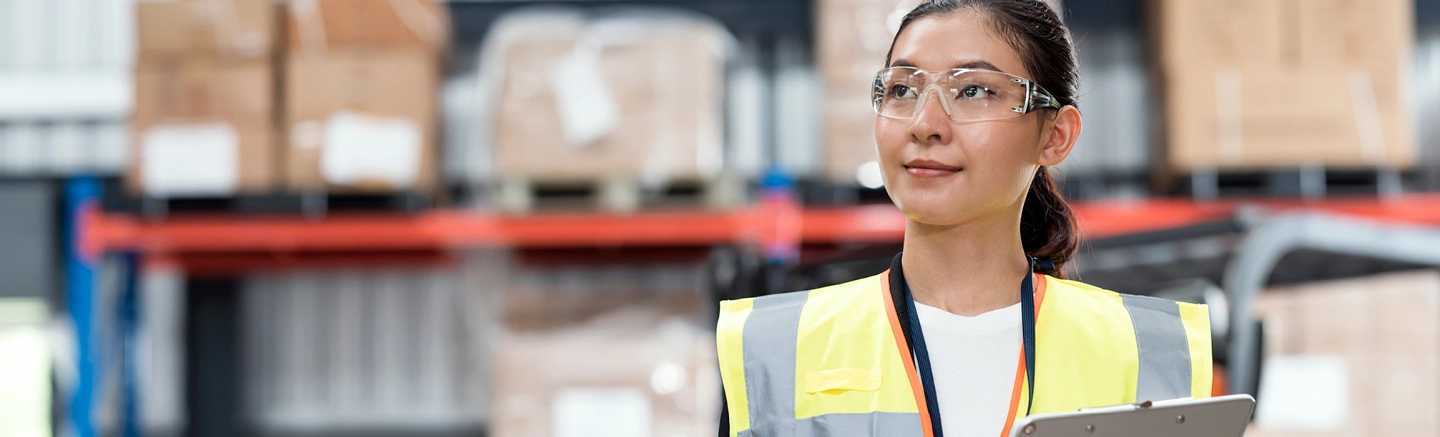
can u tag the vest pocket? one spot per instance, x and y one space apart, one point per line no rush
817 381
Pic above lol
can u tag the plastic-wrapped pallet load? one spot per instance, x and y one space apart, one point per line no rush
1351 357
205 98
632 95
852 39
361 83
604 351
1273 83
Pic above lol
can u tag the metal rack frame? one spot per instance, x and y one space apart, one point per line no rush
1264 244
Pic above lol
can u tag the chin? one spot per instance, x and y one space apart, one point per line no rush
932 208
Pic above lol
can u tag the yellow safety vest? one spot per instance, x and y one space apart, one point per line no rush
834 362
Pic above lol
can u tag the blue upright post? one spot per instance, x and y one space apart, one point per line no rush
81 263
130 321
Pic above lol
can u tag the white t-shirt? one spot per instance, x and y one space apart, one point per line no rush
973 360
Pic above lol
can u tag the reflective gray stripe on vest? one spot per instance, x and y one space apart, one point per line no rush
1164 348
852 425
769 347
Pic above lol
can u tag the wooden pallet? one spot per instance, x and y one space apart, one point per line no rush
825 193
315 205
1076 186
618 195
1308 183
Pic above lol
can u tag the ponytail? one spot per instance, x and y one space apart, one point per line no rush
1047 224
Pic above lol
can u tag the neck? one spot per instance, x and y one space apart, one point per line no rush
967 269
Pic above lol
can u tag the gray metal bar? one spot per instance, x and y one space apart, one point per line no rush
1259 251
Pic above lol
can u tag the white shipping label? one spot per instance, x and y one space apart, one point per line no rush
601 412
588 111
190 160
1303 393
363 148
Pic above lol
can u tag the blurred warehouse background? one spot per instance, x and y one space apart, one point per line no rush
515 217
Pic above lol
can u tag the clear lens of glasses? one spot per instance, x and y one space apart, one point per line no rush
967 95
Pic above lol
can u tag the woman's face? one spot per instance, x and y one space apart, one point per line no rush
943 172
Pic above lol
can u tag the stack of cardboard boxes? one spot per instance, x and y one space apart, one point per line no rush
204 117
1351 357
356 112
360 94
1278 83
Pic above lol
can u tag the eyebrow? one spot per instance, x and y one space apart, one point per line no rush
972 64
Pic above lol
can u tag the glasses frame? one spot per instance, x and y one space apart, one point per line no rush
1036 97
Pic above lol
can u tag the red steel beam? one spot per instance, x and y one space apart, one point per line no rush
449 229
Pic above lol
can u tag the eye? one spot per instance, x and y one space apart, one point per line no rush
901 92
974 92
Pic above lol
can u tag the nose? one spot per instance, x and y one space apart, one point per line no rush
931 126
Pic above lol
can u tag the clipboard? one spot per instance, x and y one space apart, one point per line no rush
1224 416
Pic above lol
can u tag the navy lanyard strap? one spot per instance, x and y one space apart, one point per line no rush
915 336
1027 332
922 363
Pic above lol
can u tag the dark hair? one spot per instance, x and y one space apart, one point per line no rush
1047 224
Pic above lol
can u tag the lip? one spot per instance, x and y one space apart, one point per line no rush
928 169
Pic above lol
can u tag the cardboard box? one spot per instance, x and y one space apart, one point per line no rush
645 106
587 345
1210 33
1381 338
1281 33
318 25
203 126
202 87
660 381
205 98
361 120
239 29
1275 83
1278 117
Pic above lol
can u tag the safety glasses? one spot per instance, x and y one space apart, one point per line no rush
965 94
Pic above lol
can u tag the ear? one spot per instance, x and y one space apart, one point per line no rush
1063 131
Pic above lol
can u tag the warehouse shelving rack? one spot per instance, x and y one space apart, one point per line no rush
229 245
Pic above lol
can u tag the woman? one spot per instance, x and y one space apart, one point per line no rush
973 326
